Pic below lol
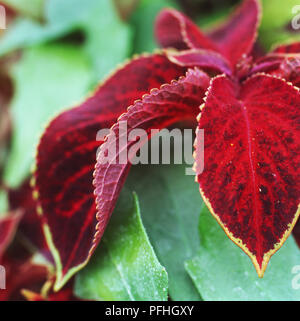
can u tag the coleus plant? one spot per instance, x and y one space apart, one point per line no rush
248 108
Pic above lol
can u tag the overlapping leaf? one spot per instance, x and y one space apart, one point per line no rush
237 36
173 29
234 39
125 268
162 107
208 60
226 275
67 156
170 211
252 155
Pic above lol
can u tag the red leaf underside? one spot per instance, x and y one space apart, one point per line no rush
173 29
237 36
67 156
171 103
251 180
207 60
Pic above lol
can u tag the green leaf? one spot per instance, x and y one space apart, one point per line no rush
3 203
222 271
170 203
47 79
124 266
108 39
143 21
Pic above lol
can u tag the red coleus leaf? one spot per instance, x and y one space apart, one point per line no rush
62 295
173 29
67 155
234 39
283 61
288 48
206 59
162 107
22 274
65 294
251 180
30 226
283 65
237 36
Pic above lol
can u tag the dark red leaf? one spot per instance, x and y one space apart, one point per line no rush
67 156
173 29
251 180
286 66
65 294
30 226
8 226
62 295
204 59
267 64
21 274
171 103
289 48
237 36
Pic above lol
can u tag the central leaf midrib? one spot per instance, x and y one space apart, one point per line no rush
253 176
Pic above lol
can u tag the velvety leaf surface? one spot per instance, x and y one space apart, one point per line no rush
125 267
283 65
170 204
267 64
252 154
225 274
177 101
49 71
67 200
233 39
174 29
207 60
237 36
